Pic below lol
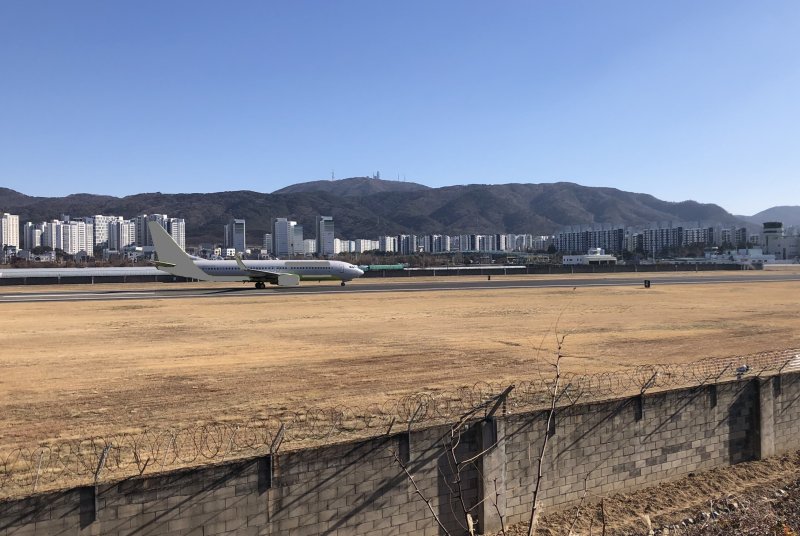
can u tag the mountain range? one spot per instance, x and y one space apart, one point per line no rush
366 208
788 215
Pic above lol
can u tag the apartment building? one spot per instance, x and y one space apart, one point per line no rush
9 230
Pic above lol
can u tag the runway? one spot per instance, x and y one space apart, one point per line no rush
369 287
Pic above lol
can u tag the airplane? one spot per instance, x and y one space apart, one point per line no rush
173 260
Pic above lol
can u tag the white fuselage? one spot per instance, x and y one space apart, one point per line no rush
311 270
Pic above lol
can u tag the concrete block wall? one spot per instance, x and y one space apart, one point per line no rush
628 444
357 488
786 412
360 488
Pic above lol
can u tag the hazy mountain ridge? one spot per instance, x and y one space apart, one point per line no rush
788 215
383 208
352 187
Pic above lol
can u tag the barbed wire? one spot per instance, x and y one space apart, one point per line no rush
76 462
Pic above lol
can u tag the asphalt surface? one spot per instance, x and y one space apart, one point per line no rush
449 284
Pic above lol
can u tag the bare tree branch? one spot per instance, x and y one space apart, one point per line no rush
580 505
554 396
550 415
419 492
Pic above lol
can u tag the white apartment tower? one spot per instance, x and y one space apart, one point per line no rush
176 227
325 236
53 234
9 230
143 237
78 238
101 225
121 234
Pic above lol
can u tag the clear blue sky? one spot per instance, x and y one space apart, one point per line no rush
679 99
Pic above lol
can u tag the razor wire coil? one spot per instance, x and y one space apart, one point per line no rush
26 469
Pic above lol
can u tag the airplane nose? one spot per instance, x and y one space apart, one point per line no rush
360 272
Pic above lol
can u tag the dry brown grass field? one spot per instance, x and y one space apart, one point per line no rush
76 369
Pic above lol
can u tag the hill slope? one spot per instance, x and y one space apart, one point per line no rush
353 187
532 208
788 215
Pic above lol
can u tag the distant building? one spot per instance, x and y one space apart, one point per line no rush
235 235
101 225
78 238
283 237
121 234
363 245
407 244
9 230
574 239
143 238
176 227
387 244
53 234
595 256
698 236
344 246
267 247
774 241
751 256
32 236
325 236
297 243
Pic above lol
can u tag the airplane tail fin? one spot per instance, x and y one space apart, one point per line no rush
171 256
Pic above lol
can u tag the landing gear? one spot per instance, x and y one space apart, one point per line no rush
260 285
342 283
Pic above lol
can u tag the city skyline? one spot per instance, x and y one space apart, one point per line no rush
675 100
286 238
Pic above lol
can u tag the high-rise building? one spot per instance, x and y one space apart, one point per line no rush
78 238
740 237
53 234
143 237
283 237
407 244
661 238
101 224
9 230
121 234
176 227
32 235
267 247
297 243
325 236
387 244
235 235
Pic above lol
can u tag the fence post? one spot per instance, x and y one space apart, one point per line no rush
87 505
766 417
492 480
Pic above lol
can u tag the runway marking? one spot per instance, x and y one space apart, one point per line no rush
68 295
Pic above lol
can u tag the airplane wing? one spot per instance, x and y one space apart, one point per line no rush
276 278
